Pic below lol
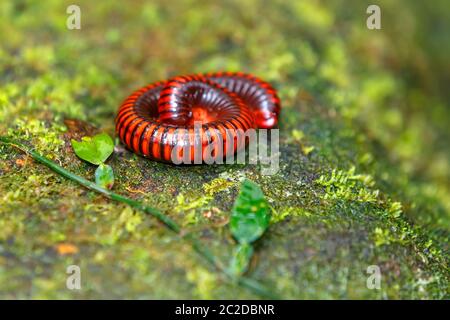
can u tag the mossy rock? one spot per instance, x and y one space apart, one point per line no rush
355 187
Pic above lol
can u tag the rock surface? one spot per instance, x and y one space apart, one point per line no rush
364 171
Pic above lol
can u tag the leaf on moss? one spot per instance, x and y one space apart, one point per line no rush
242 255
104 176
94 149
250 215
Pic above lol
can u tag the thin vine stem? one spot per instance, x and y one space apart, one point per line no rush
168 222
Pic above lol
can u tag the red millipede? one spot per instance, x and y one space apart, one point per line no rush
161 116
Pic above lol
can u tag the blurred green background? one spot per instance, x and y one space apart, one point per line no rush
376 100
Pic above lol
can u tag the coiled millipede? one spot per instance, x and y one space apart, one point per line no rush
196 110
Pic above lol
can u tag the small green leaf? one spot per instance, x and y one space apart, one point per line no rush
104 176
242 255
94 149
250 213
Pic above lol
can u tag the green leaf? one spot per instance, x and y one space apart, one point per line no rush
104 176
250 213
242 255
94 149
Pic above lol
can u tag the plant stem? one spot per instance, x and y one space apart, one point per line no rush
245 282
248 283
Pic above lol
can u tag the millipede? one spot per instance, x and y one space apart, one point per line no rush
196 110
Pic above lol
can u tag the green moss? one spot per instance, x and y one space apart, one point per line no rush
349 186
364 170
217 185
45 136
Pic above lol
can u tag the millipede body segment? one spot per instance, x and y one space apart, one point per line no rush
167 120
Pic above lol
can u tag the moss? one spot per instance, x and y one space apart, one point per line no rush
363 176
217 185
349 186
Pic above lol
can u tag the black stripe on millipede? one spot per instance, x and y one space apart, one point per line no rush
161 143
141 138
152 140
